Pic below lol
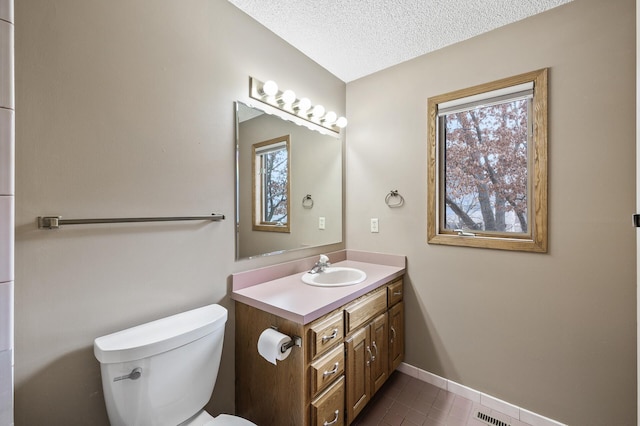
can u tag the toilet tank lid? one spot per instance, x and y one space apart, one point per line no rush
159 336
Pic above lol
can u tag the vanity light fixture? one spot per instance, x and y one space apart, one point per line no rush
287 101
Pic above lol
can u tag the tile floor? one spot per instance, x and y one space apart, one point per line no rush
407 401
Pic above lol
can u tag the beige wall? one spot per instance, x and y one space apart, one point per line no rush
553 333
125 108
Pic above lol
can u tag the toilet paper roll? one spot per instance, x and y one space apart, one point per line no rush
269 344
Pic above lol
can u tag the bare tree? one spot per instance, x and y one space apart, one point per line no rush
486 162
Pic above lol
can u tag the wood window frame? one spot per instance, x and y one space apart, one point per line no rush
535 240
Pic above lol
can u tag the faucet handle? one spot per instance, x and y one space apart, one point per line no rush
324 259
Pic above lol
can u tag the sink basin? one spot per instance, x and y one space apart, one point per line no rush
335 276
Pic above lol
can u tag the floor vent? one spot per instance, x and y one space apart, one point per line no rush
491 420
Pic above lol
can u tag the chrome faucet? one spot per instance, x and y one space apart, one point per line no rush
320 265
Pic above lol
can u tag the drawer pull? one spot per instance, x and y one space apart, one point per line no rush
393 330
332 336
330 372
371 357
397 293
334 421
376 348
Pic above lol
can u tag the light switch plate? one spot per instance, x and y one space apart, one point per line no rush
374 225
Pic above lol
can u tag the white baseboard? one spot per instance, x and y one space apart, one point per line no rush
481 398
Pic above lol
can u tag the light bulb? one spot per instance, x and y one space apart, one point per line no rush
329 117
341 122
288 97
318 111
303 105
270 88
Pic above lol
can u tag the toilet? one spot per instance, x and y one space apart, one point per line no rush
162 373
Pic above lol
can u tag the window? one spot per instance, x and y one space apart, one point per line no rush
270 167
487 174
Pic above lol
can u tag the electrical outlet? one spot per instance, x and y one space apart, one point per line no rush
374 224
321 222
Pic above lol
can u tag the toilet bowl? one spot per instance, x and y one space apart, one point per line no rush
206 419
162 373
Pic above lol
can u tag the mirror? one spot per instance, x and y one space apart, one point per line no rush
314 198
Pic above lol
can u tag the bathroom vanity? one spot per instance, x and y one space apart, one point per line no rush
352 338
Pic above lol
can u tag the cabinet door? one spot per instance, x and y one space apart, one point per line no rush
358 372
396 335
380 350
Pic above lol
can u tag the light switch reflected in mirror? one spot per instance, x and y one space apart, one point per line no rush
315 171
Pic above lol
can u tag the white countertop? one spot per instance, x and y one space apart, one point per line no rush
290 298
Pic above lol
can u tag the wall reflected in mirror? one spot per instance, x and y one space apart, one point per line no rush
315 185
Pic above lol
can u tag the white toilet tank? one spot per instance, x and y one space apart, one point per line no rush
163 372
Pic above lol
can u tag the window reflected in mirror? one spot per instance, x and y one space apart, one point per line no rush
270 169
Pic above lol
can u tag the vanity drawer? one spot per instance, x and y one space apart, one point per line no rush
328 408
365 308
326 332
326 369
394 292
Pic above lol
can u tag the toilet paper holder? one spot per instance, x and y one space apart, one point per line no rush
295 341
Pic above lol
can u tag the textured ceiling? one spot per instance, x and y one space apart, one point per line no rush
354 38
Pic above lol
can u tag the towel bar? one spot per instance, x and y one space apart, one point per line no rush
54 222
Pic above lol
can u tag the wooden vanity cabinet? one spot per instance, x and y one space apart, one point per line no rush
345 357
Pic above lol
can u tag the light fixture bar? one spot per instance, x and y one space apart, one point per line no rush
287 101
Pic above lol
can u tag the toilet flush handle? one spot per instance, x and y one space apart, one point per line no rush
134 375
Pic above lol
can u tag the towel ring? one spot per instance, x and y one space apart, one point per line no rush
307 202
394 194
